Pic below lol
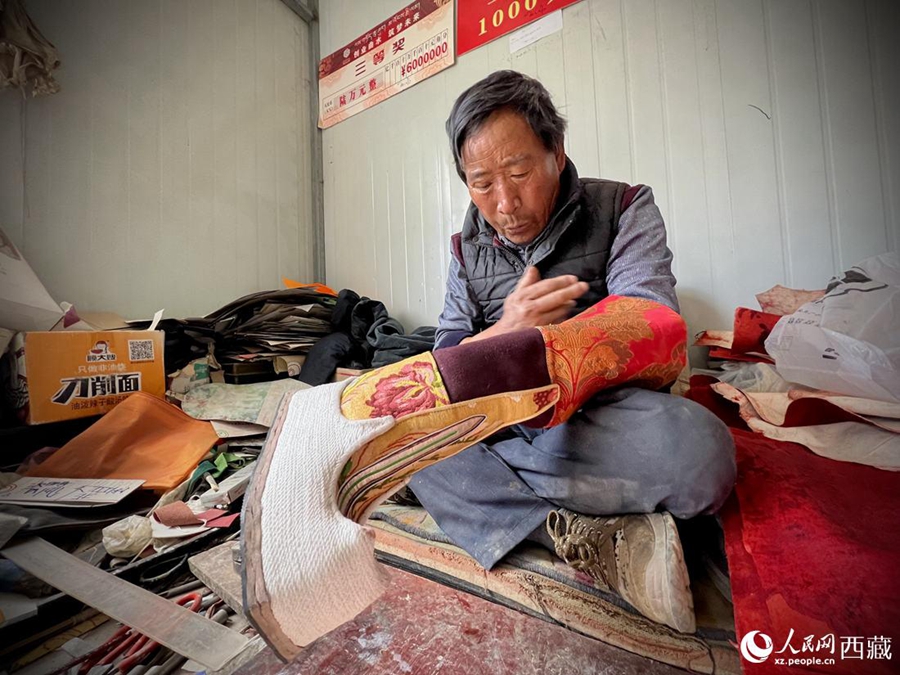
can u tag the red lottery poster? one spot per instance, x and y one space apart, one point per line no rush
480 21
414 44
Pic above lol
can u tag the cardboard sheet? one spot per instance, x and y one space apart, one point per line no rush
67 492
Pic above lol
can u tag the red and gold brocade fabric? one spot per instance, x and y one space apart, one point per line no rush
447 401
617 341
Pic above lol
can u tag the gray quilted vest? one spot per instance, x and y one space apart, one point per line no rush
578 241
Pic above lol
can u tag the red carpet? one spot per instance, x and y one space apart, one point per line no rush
813 545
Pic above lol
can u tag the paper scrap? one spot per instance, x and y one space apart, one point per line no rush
15 606
217 518
25 305
238 429
534 31
68 491
224 521
211 514
176 514
156 319
161 532
250 403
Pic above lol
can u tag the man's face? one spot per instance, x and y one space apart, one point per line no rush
512 178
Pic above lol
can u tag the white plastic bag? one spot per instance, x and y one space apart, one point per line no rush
128 537
848 341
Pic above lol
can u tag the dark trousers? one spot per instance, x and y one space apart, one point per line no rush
628 450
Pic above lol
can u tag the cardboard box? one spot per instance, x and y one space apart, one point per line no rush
72 374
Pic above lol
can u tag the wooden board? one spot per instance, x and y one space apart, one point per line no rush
253 648
215 568
177 628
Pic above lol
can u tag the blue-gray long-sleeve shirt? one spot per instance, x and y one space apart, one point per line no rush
640 266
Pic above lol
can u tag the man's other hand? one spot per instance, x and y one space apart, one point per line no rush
535 302
538 302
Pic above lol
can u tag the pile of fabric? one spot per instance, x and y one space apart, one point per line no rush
193 455
306 330
811 536
818 368
363 335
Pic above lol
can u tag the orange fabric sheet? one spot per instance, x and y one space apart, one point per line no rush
142 438
321 288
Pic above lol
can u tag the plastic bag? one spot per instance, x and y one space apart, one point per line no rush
848 341
128 537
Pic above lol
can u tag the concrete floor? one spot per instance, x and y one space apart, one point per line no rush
420 627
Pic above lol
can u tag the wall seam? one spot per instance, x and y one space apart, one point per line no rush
783 220
236 221
628 104
387 193
833 215
159 121
696 43
23 149
672 221
316 148
728 176
301 230
405 232
374 225
256 137
881 146
91 202
278 263
128 231
590 13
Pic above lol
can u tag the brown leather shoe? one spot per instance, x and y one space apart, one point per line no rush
637 556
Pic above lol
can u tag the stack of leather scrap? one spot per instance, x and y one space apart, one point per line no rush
257 326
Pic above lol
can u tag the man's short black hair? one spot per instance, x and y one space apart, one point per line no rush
505 89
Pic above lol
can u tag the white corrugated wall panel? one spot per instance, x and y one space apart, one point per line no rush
173 169
767 129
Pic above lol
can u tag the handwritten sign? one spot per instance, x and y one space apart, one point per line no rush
536 30
412 45
67 491
481 21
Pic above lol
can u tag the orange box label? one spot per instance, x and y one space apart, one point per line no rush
81 373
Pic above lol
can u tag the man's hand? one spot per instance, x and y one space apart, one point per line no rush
536 302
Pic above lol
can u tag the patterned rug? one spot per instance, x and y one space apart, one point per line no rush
534 581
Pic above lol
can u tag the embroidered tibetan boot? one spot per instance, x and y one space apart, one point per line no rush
337 451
